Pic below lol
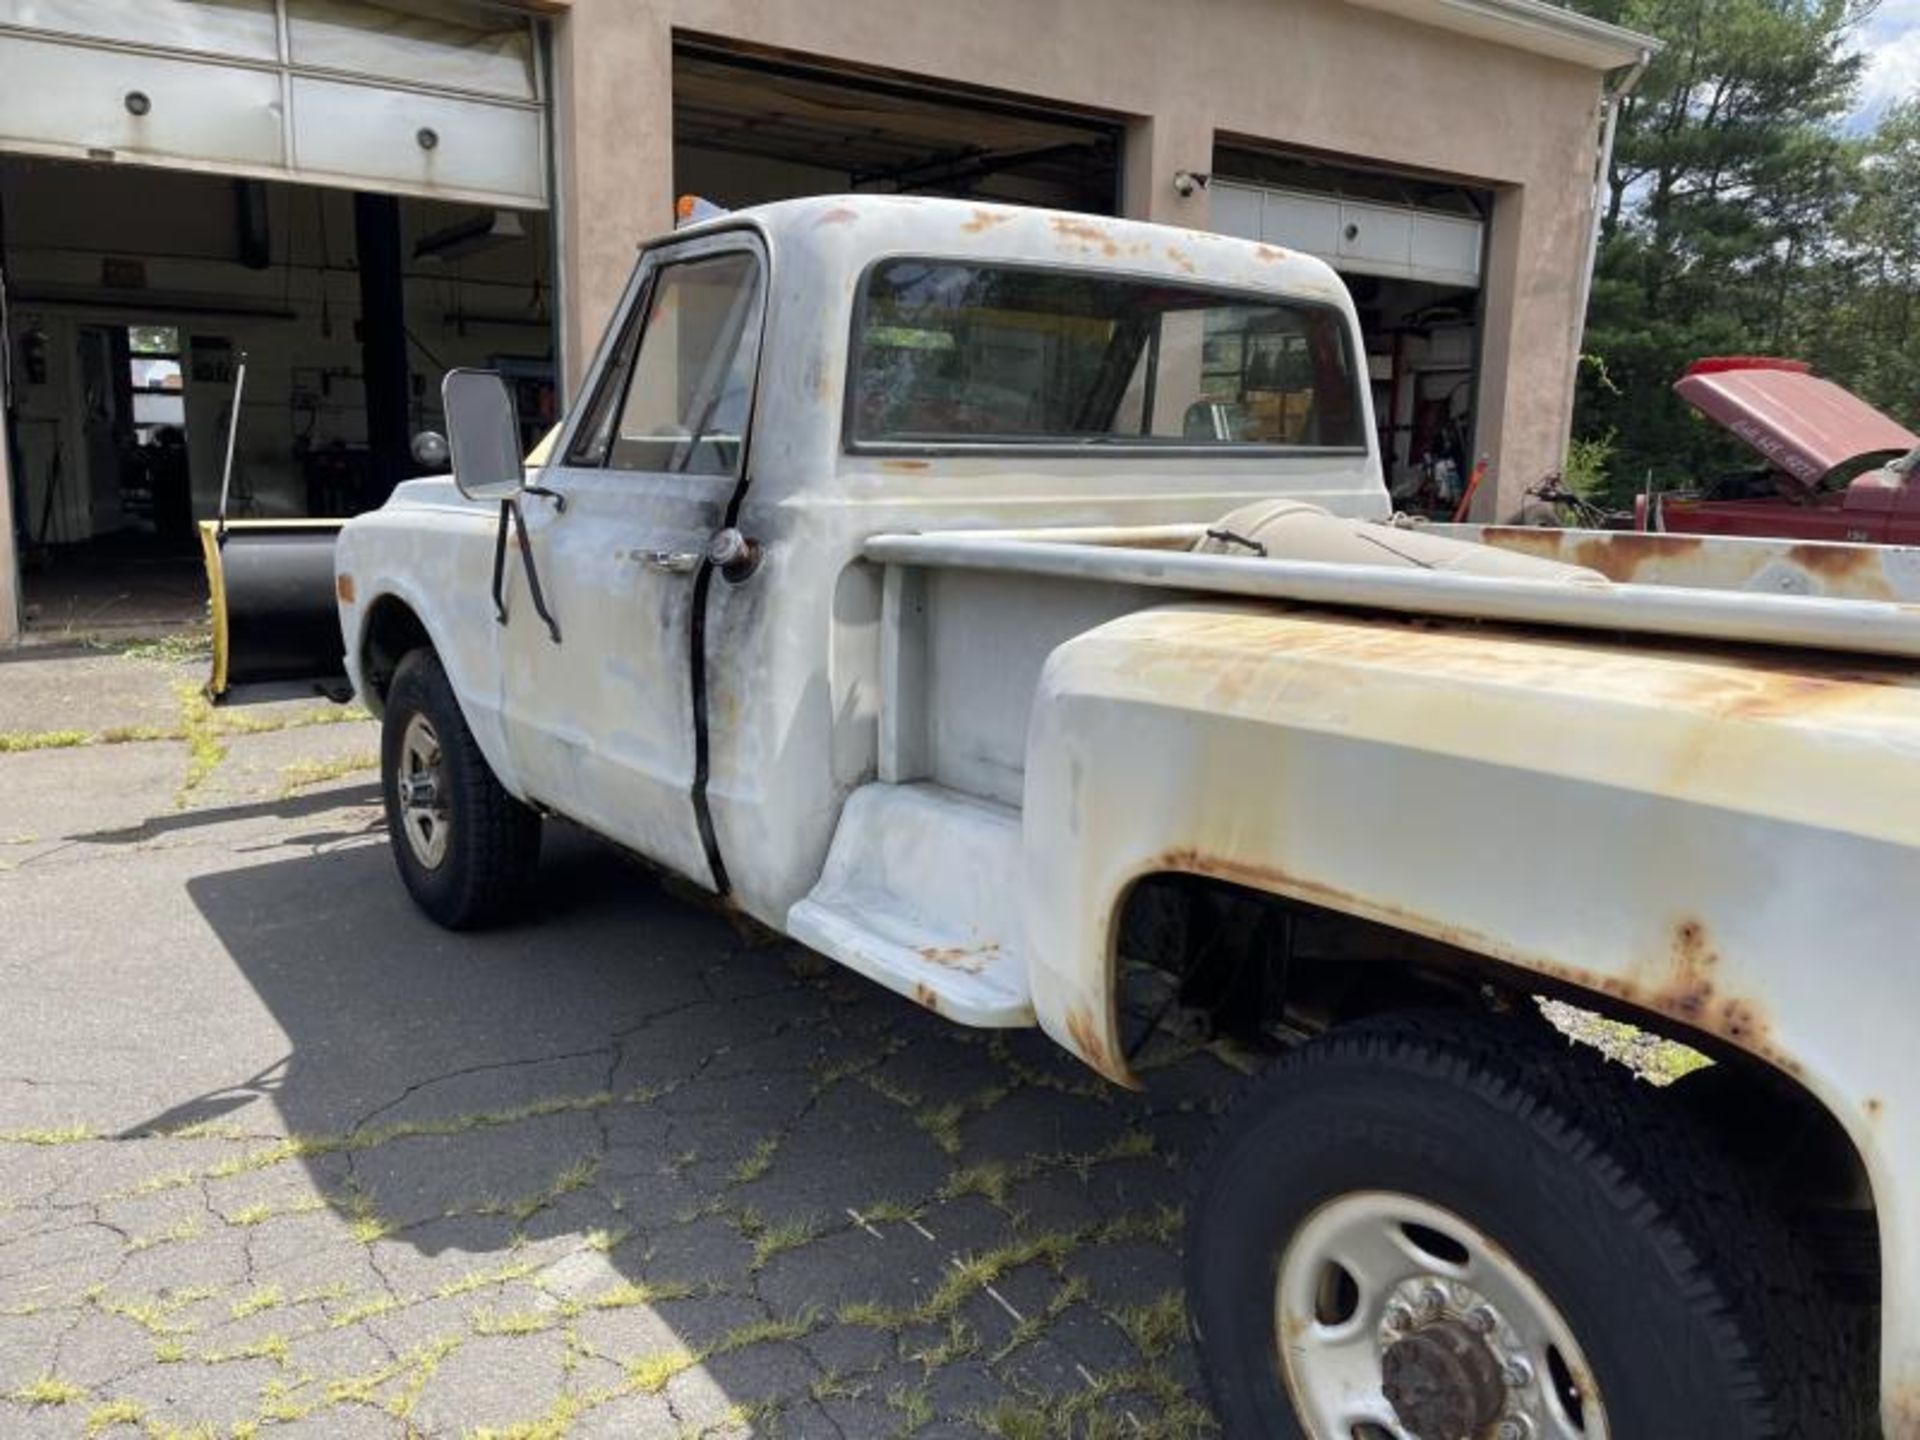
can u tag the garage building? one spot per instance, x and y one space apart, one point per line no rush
355 196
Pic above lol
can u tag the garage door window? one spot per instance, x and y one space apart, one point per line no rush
952 353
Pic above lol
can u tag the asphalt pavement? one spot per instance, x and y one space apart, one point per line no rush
279 1157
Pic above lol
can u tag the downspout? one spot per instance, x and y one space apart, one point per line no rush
1616 93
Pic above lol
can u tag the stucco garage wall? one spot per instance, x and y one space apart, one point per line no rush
1314 74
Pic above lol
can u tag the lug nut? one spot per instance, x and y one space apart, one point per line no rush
1518 1373
1481 1320
1399 1317
1432 1301
1514 1427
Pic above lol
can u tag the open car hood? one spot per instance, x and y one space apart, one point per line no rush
1803 425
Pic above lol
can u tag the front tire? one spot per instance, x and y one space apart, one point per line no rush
1447 1225
465 848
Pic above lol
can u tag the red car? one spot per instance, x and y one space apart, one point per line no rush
1836 468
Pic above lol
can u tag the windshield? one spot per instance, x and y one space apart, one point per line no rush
950 352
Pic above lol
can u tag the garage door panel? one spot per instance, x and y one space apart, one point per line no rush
1442 244
415 141
1375 237
1235 210
1359 237
1301 223
70 97
245 29
491 54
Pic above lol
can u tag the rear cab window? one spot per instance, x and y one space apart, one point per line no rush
959 353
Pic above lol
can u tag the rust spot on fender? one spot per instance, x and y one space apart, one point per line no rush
1900 1412
1874 1106
905 467
1088 1045
1854 568
839 215
1180 258
1089 235
1620 556
927 996
985 220
970 958
1680 984
1269 254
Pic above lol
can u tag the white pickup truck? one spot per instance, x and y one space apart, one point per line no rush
1006 604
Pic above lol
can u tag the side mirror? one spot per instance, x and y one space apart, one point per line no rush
483 434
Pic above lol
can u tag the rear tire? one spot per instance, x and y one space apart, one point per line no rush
1661 1266
464 846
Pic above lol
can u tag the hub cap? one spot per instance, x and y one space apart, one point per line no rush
422 793
1400 1321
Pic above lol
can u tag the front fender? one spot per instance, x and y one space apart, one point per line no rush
438 563
1718 838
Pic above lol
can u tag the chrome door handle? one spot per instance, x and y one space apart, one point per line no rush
674 562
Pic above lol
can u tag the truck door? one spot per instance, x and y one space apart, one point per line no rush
602 722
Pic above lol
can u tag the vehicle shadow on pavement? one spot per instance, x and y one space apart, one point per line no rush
633 1165
285 807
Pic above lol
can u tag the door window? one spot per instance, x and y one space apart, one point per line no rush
685 381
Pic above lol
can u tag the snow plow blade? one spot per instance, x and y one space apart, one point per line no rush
276 627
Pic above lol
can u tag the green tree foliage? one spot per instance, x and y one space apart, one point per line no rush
1859 315
1732 217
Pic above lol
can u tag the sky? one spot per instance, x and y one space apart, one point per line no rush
1891 40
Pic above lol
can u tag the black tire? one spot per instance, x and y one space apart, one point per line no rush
491 840
1699 1315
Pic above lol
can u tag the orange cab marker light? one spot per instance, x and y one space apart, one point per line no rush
692 209
343 587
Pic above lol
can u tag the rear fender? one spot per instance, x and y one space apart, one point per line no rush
1716 838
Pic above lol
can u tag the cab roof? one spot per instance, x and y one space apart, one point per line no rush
851 231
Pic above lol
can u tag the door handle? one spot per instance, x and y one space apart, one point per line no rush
673 562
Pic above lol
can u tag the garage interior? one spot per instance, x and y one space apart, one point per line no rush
351 195
748 129
132 297
1411 250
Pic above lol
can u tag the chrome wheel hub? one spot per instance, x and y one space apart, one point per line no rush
1398 1320
423 809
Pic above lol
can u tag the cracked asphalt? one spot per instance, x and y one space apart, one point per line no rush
277 1156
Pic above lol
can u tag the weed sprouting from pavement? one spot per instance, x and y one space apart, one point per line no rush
13 742
50 1389
782 1237
641 1292
54 1135
650 1373
267 1297
305 774
756 1163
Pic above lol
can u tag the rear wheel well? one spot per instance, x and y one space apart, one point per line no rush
392 630
1263 969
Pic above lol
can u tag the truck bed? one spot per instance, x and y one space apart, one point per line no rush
1763 566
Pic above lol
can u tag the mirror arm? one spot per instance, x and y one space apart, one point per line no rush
510 514
500 565
559 500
